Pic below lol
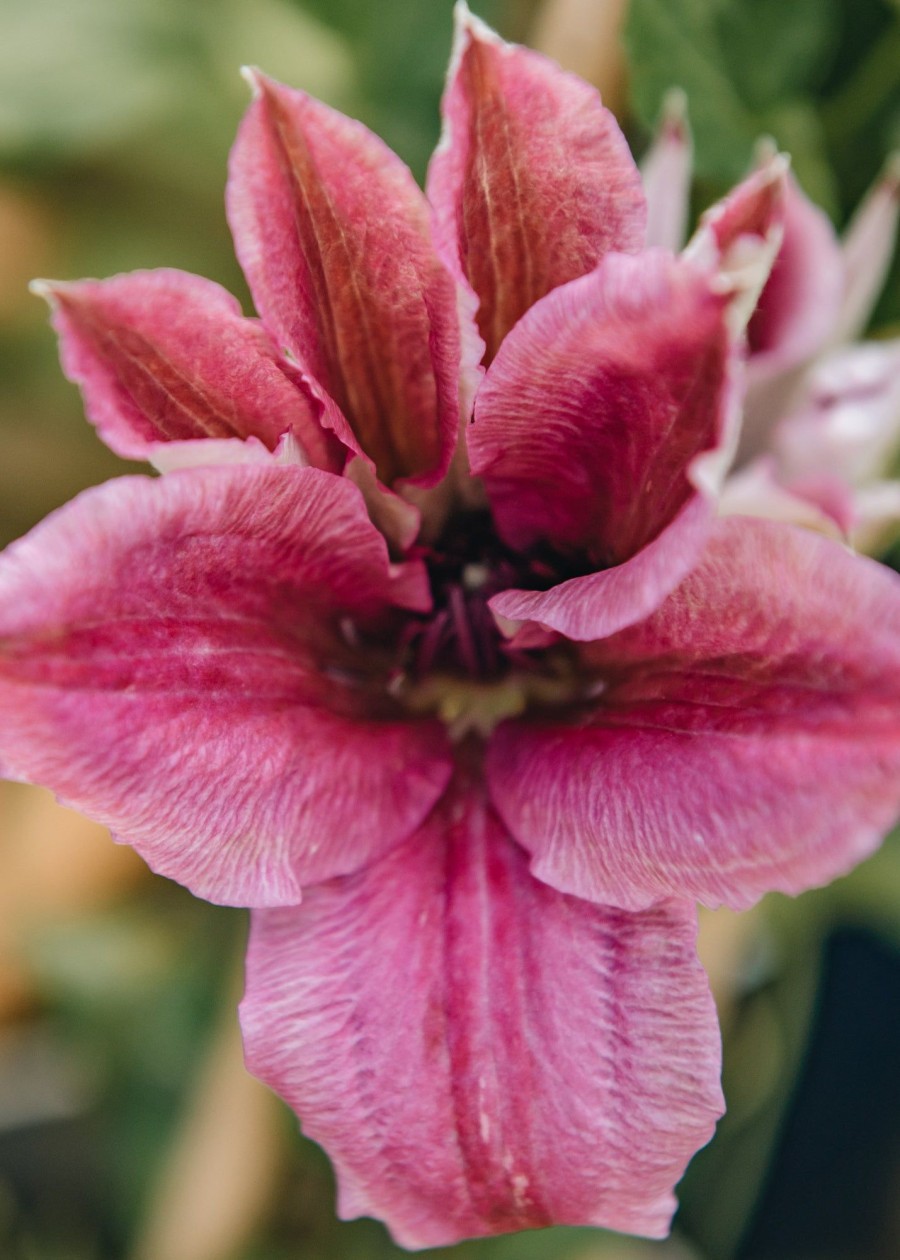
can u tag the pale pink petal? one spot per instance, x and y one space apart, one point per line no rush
164 357
740 236
479 1053
177 660
846 420
746 738
757 490
799 304
592 417
213 452
666 174
532 182
334 238
394 518
868 247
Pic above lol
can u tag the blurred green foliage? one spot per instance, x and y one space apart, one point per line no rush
820 76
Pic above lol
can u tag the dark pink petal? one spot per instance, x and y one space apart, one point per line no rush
164 356
753 208
177 661
479 1053
532 182
599 604
740 236
799 304
334 238
593 415
747 737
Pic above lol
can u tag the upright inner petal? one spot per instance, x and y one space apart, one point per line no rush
333 235
533 182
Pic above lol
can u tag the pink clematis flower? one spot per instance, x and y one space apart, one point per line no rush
468 700
821 432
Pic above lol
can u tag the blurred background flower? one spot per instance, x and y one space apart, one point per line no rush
128 1126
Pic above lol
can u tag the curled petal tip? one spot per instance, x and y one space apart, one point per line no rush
773 162
891 175
765 151
468 25
46 289
255 79
675 113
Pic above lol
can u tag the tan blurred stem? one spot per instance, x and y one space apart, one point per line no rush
220 1175
585 36
726 943
27 249
53 864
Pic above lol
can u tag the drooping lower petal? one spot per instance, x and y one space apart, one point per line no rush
333 236
479 1053
532 183
176 660
745 737
165 357
599 604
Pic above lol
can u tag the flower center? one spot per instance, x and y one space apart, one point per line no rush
455 662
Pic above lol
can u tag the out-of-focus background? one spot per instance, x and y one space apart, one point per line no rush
128 1127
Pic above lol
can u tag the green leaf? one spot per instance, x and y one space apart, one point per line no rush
678 43
775 50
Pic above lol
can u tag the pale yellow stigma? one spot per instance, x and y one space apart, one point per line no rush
469 706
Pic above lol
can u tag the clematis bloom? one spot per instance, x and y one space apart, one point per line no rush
429 648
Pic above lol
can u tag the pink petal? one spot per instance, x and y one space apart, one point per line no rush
748 737
666 174
175 662
479 1053
164 357
333 235
532 182
799 304
588 426
599 604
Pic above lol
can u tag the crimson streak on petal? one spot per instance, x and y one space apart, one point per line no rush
532 183
333 236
